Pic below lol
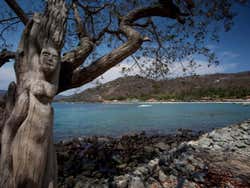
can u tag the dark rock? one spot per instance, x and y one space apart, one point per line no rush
240 145
247 142
199 177
162 146
138 160
149 149
117 159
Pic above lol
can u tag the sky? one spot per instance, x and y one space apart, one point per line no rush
233 51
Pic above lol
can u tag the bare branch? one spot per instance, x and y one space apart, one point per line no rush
5 56
76 57
134 42
7 28
117 33
104 30
81 31
18 10
90 12
93 10
12 18
156 34
73 59
138 64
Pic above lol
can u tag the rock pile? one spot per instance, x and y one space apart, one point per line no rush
217 159
220 158
100 159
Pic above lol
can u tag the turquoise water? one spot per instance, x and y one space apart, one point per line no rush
116 119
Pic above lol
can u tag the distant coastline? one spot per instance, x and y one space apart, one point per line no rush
237 101
206 88
180 101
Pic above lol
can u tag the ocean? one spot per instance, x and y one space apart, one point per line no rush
88 119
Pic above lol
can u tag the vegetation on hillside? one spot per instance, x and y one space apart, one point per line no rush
208 87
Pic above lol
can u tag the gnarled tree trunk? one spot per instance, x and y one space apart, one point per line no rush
27 153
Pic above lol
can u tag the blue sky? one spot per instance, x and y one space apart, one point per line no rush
233 51
234 46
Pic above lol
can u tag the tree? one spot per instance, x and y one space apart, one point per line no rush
27 153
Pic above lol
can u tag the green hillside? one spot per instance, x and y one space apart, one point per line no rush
207 87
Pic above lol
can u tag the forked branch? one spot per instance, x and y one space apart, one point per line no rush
77 56
134 42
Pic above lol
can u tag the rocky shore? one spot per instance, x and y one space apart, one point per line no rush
220 158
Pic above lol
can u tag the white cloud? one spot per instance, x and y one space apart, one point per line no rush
7 72
176 70
116 72
108 76
228 55
7 75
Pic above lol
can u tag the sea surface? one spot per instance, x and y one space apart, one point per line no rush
88 119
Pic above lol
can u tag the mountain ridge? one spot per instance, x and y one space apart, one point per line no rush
204 87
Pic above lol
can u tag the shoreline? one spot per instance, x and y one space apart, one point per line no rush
101 158
220 158
181 102
247 102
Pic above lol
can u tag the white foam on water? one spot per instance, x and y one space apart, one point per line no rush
144 105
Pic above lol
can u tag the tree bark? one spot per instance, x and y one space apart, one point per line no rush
27 152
